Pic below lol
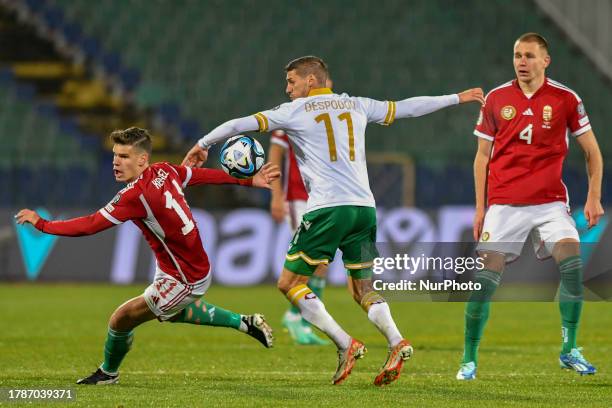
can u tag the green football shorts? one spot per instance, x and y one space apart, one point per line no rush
322 232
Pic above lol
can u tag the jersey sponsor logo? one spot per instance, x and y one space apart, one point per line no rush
580 109
547 114
485 236
508 112
307 225
162 175
583 121
528 112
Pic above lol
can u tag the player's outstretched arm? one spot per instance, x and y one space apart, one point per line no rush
472 95
593 209
423 105
216 176
74 227
198 154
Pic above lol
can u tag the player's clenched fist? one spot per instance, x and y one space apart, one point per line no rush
472 95
27 215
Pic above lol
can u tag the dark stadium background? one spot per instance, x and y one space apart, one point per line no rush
71 71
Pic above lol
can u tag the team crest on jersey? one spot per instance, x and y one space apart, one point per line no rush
485 236
547 113
508 112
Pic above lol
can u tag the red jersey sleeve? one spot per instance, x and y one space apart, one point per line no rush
485 125
280 138
213 176
193 176
577 119
75 227
126 205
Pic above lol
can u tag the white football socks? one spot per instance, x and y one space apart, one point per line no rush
380 315
313 310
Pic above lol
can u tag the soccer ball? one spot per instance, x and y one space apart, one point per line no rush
242 156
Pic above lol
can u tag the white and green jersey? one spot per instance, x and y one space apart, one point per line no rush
327 131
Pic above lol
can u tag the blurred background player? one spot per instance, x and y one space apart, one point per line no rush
328 133
153 200
522 142
288 204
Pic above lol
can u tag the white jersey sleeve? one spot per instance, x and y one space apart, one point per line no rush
381 112
385 112
275 118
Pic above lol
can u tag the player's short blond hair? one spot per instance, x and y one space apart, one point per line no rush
133 136
307 65
534 37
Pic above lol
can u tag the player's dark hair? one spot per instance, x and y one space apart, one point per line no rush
133 136
307 65
534 37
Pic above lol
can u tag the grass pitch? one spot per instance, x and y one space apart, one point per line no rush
53 334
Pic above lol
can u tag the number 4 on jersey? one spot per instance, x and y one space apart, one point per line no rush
526 134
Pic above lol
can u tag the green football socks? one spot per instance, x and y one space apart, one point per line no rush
116 347
477 312
203 313
570 300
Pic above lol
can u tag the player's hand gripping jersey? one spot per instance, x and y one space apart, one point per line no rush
530 141
156 204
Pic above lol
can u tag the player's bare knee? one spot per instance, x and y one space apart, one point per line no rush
288 280
493 261
361 288
565 248
120 320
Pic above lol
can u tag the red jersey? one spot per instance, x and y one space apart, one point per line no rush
294 185
530 141
156 204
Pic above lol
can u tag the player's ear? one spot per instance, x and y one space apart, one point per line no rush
547 60
143 158
311 80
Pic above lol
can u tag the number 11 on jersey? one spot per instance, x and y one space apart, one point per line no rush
331 140
171 203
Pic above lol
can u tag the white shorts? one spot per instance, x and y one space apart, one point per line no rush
167 296
296 210
507 227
